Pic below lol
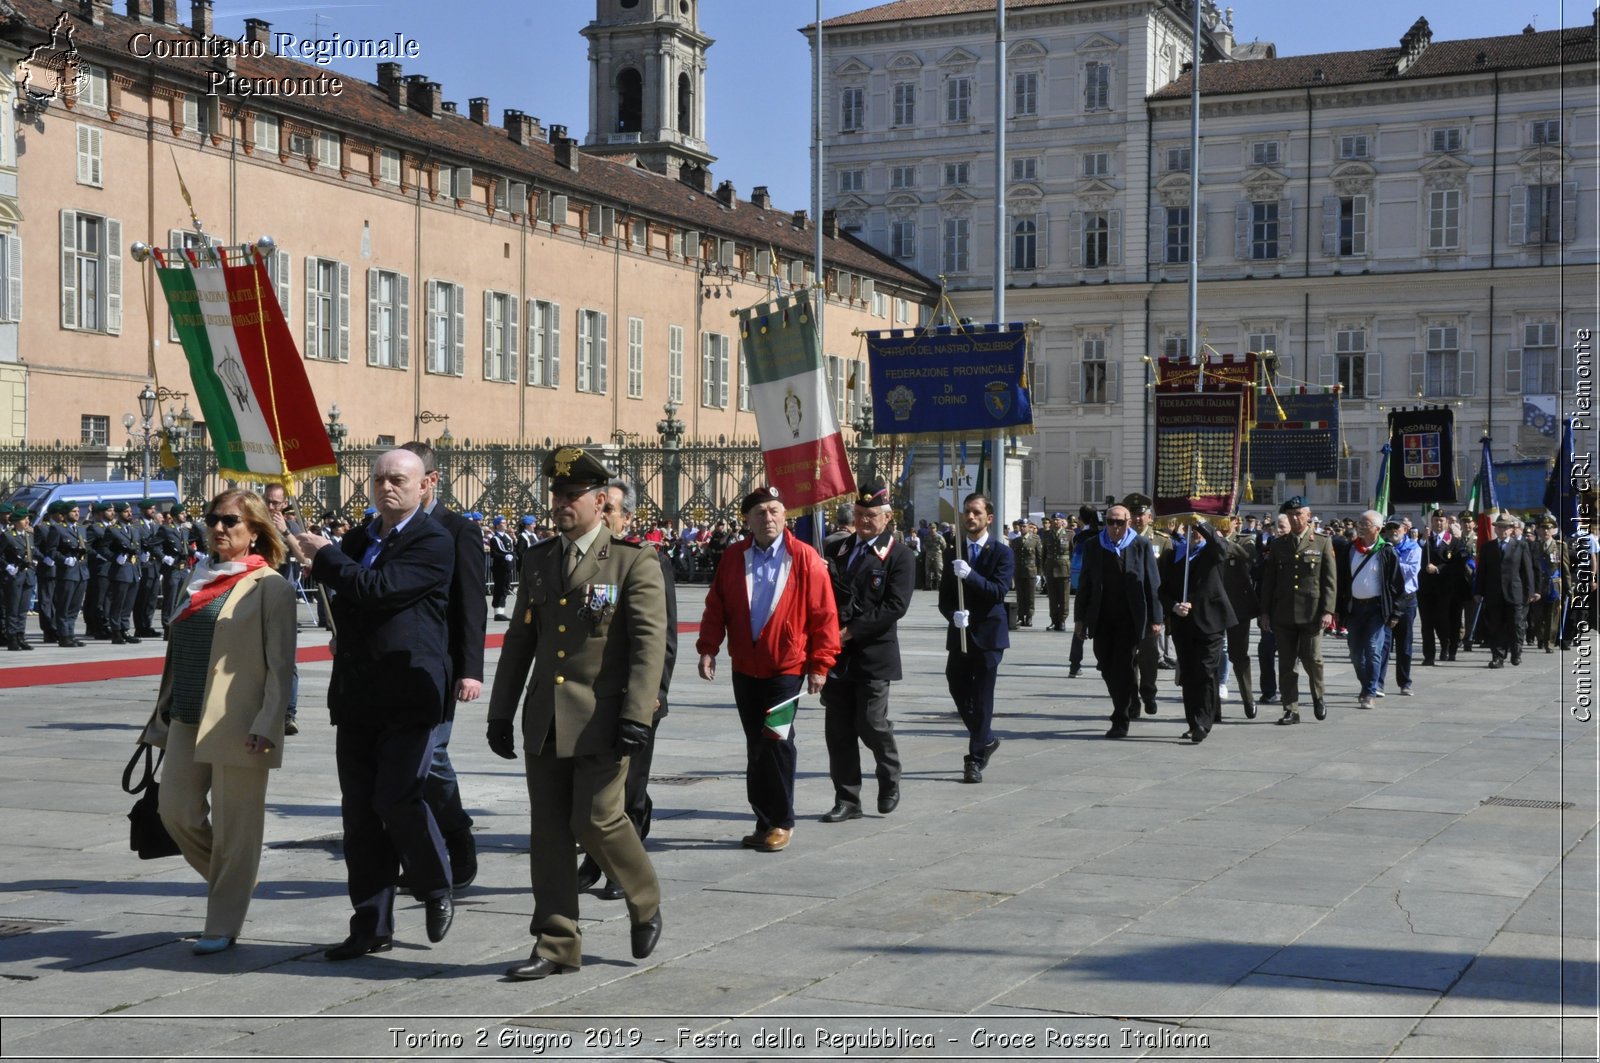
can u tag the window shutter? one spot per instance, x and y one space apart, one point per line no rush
1156 251
1077 239
1519 215
461 183
281 269
691 243
96 155
83 155
1374 381
558 210
1075 383
1328 370
763 263
191 111
488 335
511 340
1114 238
585 351
1113 381
1419 361
726 253
552 353
372 317
69 269
430 327
113 277
1285 227
312 350
722 372
602 351
1039 383
797 273
1197 232
1042 255
1466 372
517 197
1514 371
344 312
1241 230
1330 226
1569 211
404 344
14 274
458 334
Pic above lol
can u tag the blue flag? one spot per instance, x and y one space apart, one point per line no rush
1560 497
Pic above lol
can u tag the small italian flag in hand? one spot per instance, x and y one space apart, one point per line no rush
780 719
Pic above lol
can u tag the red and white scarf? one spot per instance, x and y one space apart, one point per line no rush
214 578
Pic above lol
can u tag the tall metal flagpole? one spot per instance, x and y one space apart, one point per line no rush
997 441
1194 194
819 287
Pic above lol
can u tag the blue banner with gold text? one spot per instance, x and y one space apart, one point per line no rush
949 380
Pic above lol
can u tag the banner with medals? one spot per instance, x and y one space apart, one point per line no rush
1299 435
951 380
1197 449
1422 455
1228 371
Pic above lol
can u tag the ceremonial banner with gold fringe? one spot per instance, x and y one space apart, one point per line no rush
800 439
935 384
1296 435
1234 370
259 410
1197 450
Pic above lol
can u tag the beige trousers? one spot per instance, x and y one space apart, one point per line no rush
215 812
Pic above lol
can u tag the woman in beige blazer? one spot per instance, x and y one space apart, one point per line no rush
220 710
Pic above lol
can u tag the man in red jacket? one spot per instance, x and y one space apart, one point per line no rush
772 599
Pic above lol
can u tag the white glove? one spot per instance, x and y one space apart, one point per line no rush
167 559
72 562
959 618
122 559
48 562
506 556
11 570
961 568
143 556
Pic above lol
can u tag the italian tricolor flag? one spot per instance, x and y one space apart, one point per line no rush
780 719
260 413
800 439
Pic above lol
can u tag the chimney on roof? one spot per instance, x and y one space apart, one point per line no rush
139 9
697 178
522 128
448 107
89 11
201 19
726 195
1413 44
566 148
760 198
259 31
558 132
423 95
478 109
165 12
830 224
799 220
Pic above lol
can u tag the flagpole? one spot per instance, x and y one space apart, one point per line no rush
1194 195
819 283
997 464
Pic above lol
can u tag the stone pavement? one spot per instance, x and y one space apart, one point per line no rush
1386 884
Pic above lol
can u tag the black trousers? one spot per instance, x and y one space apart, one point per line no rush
1199 668
440 789
1267 656
171 586
1238 650
119 606
971 680
69 602
387 824
636 803
502 582
45 595
1116 649
1440 632
1148 656
769 762
147 597
1501 627
96 614
856 713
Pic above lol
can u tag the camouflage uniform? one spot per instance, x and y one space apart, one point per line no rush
1027 548
1057 544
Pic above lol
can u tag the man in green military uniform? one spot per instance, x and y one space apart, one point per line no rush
17 578
1028 551
590 623
1160 544
1552 569
1299 585
933 545
1057 543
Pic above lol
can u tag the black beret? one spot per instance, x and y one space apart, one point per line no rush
1294 503
758 496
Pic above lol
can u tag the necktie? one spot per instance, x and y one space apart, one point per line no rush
973 550
573 557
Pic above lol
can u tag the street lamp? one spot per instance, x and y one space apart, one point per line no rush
147 430
338 432
671 430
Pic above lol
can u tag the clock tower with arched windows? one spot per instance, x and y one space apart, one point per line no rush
647 75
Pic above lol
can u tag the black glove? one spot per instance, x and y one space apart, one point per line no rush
501 740
632 737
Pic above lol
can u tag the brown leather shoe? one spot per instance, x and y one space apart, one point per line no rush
774 840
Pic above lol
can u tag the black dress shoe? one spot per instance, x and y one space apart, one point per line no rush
1118 730
24 644
988 751
1249 710
645 935
1290 716
463 852
1268 699
1150 707
971 771
441 913
588 873
537 967
1197 736
359 945
1319 709
1496 663
841 812
130 639
116 640
610 892
1073 673
1516 658
888 799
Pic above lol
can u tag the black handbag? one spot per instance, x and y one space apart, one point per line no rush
147 835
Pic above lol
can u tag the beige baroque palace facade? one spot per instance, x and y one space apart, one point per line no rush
430 262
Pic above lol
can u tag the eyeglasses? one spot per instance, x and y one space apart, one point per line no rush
1116 520
227 520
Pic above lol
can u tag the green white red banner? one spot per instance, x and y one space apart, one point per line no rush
261 416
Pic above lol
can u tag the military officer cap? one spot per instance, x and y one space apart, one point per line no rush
1392 521
758 496
19 512
59 507
1293 503
574 465
1136 503
1062 516
1549 522
498 519
99 507
874 495
122 507
527 522
147 503
1506 520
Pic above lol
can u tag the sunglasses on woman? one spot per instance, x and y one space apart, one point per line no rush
227 520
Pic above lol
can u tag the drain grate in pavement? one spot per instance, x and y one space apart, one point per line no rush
1526 802
680 780
10 928
326 841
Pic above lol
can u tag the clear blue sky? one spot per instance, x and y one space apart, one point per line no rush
527 54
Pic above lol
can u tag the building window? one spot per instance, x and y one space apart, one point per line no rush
880 303
852 110
1175 347
714 371
10 276
1025 95
903 238
957 173
958 100
852 180
94 430
1444 219
267 131
954 258
1262 342
1264 153
1177 160
544 343
91 273
1177 234
1545 132
1096 164
1352 226
675 363
1094 374
1542 222
902 177
328 148
1025 244
1264 230
1540 364
300 143
1445 141
388 319
1092 477
1350 353
1353 146
90 144
744 383
1025 168
1097 87
593 351
905 103
327 310
447 326
92 82
499 336
857 400
203 114
1441 365
389 166
1096 240
636 358
1352 491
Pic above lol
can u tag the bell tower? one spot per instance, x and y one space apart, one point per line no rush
647 75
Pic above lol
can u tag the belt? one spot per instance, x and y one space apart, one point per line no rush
1366 601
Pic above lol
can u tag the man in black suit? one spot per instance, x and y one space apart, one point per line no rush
874 575
468 619
1444 559
390 686
1118 607
1196 600
1506 587
982 565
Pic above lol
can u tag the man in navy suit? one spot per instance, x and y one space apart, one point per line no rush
1118 607
1506 587
391 671
983 566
